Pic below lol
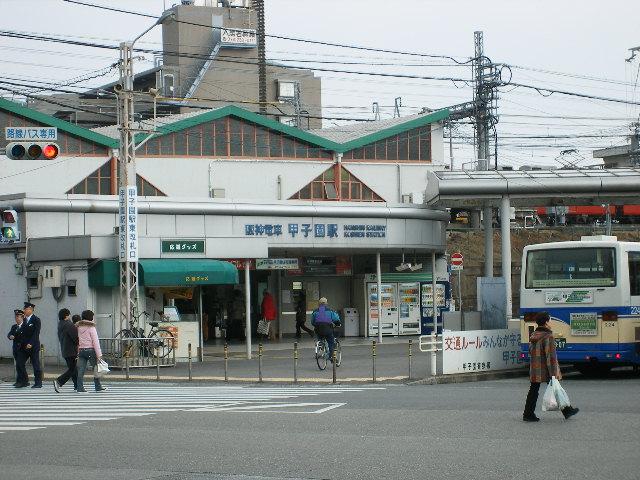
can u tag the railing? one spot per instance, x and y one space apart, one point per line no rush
125 353
431 344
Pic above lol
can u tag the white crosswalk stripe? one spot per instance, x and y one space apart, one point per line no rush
27 409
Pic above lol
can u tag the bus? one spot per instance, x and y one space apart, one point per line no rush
591 290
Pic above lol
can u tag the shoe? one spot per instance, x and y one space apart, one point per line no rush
530 418
101 389
570 412
22 385
81 391
56 386
36 385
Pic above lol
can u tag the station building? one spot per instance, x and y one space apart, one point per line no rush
308 212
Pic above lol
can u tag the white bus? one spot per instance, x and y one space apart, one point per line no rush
591 290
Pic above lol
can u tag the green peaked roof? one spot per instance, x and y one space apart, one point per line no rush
48 120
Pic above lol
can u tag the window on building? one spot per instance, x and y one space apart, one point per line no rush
103 181
412 145
146 189
336 184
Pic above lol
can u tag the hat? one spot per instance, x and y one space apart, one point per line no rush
323 300
18 312
29 305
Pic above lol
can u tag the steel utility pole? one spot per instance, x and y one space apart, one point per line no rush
127 188
262 62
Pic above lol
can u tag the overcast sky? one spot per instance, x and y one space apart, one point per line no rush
587 38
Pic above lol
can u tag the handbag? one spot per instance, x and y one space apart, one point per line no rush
102 368
561 396
263 327
549 401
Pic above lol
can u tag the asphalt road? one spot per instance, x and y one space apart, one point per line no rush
470 430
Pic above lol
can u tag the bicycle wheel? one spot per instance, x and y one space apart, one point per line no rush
126 347
321 354
338 350
161 343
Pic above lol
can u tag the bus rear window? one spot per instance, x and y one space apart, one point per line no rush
571 267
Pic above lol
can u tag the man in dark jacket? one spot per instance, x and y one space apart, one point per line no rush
68 336
32 342
16 334
543 365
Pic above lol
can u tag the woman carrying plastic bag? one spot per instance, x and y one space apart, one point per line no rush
543 367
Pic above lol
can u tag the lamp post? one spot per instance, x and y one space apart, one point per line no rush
127 189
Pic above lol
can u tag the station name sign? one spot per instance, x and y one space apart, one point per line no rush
315 230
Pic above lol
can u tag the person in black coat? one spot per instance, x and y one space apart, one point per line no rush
32 342
68 336
16 334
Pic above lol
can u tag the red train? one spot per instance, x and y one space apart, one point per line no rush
588 214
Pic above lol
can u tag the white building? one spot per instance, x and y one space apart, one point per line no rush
236 186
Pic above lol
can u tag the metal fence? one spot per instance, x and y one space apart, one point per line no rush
143 352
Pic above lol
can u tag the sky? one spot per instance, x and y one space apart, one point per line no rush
577 46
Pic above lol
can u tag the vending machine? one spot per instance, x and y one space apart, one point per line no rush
389 320
409 308
443 300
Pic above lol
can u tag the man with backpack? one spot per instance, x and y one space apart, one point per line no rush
323 320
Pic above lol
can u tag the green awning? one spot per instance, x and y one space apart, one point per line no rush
168 272
104 273
184 272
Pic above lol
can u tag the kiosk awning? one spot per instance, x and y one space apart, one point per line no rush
185 272
168 272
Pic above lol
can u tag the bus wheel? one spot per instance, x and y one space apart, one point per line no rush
593 371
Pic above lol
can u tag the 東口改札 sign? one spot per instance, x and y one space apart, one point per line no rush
183 246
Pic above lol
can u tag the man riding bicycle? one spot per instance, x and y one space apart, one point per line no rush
323 320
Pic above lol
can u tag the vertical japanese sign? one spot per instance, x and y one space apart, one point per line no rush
128 221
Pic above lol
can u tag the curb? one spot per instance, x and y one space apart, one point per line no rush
471 377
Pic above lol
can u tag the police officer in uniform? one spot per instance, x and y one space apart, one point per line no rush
31 341
16 334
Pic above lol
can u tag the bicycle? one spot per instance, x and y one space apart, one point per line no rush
159 342
322 353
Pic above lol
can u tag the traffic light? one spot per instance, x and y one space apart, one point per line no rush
10 232
32 150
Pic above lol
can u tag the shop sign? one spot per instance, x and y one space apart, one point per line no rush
182 246
298 231
238 38
277 264
31 133
239 263
584 324
128 223
340 265
575 296
480 351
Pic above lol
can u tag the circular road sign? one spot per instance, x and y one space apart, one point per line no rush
456 258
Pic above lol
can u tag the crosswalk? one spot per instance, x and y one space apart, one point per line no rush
27 409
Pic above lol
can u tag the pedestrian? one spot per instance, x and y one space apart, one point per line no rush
236 314
16 334
543 365
75 319
68 337
301 317
32 325
268 310
88 350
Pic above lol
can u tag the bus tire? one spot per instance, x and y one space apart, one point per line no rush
593 371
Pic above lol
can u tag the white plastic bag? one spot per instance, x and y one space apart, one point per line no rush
561 396
102 368
549 401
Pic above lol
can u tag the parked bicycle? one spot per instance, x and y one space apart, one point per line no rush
159 342
322 353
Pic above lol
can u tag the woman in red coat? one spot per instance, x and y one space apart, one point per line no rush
543 365
268 311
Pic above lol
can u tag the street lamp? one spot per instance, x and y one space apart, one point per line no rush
127 188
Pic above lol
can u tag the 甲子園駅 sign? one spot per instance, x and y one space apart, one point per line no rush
300 231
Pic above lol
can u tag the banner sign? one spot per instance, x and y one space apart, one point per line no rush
575 296
238 38
128 222
277 264
480 351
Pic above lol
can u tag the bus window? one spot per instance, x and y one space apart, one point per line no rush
634 273
571 267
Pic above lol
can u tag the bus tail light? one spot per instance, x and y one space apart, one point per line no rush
609 316
618 356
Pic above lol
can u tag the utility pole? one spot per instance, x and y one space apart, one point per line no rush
262 62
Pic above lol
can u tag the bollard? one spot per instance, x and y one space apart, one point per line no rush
410 354
434 353
373 358
190 364
157 365
333 363
226 362
126 364
295 362
260 362
42 360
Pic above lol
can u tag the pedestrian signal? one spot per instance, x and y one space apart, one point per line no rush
32 151
9 229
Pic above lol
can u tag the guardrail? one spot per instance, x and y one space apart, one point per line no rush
143 352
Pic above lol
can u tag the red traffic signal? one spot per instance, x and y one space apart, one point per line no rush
32 151
9 216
